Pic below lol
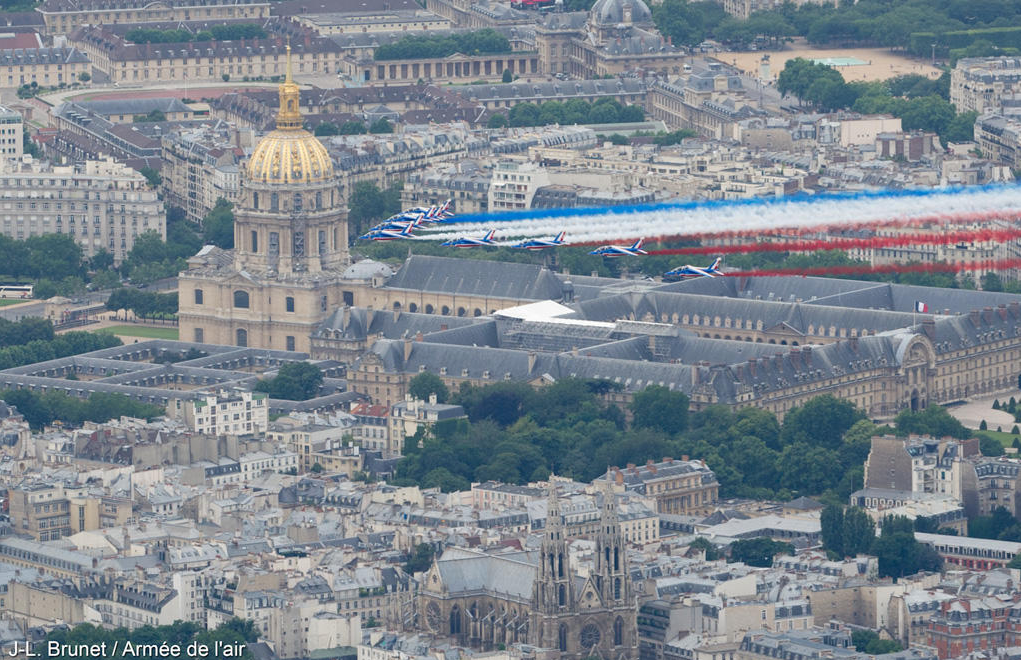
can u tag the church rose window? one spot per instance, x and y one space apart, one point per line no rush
589 636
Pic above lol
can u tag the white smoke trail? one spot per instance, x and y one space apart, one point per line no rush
609 224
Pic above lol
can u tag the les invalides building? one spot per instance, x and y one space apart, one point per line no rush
290 246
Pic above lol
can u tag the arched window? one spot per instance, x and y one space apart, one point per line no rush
562 638
412 307
242 337
461 311
618 632
616 588
428 309
561 595
319 200
477 312
397 306
255 200
445 311
241 299
455 621
274 202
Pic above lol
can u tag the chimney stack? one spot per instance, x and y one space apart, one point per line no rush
987 315
407 349
929 328
974 317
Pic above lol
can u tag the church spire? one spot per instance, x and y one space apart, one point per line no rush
289 114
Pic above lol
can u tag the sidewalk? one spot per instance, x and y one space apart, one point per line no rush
972 413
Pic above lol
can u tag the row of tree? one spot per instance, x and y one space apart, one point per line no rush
909 24
575 111
850 532
479 42
16 333
517 434
227 32
353 127
44 409
69 343
144 304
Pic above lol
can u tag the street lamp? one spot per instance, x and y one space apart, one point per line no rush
934 53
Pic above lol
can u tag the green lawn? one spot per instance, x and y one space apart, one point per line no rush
12 301
142 331
1004 438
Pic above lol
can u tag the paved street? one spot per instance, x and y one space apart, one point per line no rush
972 413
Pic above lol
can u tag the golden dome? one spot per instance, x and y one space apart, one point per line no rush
290 154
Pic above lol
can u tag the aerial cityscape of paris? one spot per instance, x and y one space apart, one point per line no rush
510 329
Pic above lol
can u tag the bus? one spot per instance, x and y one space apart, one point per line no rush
22 291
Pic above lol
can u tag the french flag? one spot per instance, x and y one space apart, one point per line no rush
921 307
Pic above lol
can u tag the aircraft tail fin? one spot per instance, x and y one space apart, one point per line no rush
637 245
716 264
407 229
489 235
560 237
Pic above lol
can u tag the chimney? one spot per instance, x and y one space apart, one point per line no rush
796 357
397 314
1015 309
531 361
668 460
807 352
987 315
345 318
1001 309
685 457
418 336
946 312
853 341
694 376
369 313
752 362
444 326
432 398
630 466
973 315
929 328
407 349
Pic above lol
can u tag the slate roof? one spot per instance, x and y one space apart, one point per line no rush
137 106
493 279
357 323
511 574
23 56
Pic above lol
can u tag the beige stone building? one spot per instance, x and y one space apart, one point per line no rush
63 16
455 68
290 237
380 21
40 510
197 61
982 83
200 167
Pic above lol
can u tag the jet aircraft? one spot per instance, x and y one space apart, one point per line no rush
541 243
470 242
632 250
688 270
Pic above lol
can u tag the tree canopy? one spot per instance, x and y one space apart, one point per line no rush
218 225
425 384
574 111
759 551
43 409
227 32
479 42
295 381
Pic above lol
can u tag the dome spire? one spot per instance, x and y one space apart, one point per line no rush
289 115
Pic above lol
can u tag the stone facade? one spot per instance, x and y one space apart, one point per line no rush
63 16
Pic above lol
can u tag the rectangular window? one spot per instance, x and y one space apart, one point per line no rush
255 241
198 296
198 336
290 343
290 303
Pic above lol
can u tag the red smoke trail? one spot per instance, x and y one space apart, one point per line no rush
994 264
900 240
931 222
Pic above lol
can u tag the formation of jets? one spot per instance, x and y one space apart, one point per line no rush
401 225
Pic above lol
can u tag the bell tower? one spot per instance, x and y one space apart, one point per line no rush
611 572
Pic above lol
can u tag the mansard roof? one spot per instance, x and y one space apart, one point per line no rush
491 279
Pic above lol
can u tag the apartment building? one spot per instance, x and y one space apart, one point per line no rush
227 413
683 487
63 16
200 167
981 83
12 144
40 510
103 205
410 415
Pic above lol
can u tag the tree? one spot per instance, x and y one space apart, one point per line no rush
420 560
898 552
226 77
425 384
152 176
295 381
381 125
218 225
507 76
84 77
701 543
153 116
982 426
933 420
759 551
962 129
831 523
660 408
867 641
368 205
353 127
859 532
820 422
326 128
497 120
316 467
989 446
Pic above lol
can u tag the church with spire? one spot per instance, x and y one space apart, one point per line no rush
286 270
539 598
